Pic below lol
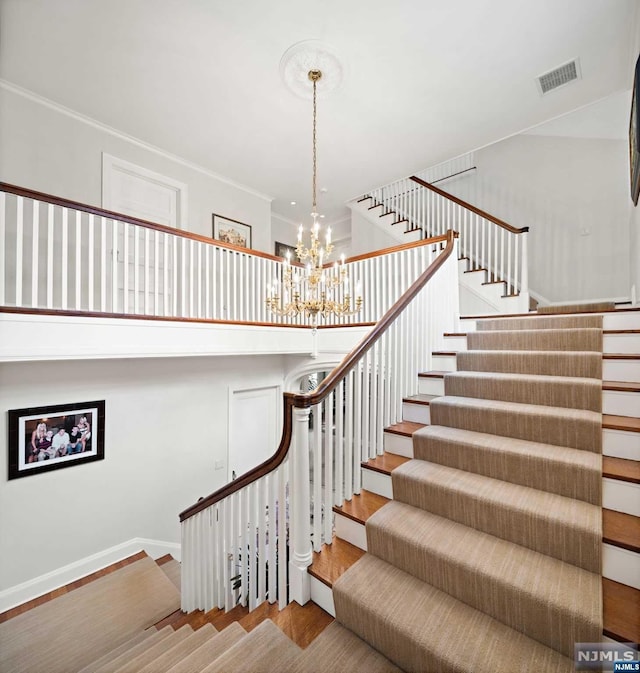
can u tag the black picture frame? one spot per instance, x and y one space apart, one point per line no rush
281 250
231 231
33 449
634 137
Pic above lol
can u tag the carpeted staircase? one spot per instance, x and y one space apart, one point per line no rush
487 560
489 556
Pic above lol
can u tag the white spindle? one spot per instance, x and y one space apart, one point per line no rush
165 270
136 270
91 262
64 261
272 538
183 277
328 467
283 568
125 266
156 272
317 477
115 253
192 278
524 281
35 242
77 266
147 276
50 237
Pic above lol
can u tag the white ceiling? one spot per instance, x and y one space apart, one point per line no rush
425 81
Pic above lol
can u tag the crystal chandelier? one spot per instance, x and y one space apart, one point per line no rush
313 288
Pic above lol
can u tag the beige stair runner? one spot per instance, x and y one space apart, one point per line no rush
489 557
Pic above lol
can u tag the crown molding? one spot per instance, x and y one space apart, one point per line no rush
89 121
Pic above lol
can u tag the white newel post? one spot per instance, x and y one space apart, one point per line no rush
524 283
301 549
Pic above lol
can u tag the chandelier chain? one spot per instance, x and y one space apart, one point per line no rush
315 156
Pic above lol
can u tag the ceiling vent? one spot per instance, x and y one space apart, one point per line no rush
559 77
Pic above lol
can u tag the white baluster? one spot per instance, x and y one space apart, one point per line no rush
64 261
50 237
207 281
35 231
78 261
136 269
524 283
192 279
328 468
165 268
262 545
272 587
156 272
244 545
183 277
174 282
126 307
147 276
91 262
283 568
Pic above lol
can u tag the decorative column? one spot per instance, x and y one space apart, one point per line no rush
300 533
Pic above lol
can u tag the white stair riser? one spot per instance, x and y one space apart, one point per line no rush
621 320
416 413
427 385
621 343
322 595
447 363
621 403
622 496
621 444
620 565
398 444
454 343
621 370
351 531
377 482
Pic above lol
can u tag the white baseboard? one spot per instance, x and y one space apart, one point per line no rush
26 591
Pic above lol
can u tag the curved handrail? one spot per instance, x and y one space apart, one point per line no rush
468 206
111 215
300 401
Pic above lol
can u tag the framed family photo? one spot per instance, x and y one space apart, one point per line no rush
231 231
634 136
48 438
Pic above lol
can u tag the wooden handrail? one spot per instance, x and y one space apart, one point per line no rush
468 206
100 212
301 401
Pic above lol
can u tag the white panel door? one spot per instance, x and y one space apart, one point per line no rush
139 192
254 422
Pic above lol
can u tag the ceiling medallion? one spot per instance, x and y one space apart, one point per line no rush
307 55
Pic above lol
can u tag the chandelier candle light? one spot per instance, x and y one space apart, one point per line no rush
313 289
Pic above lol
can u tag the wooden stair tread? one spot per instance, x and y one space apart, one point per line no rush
623 386
444 353
621 331
626 423
494 316
167 558
621 468
621 356
434 374
621 611
621 530
405 428
333 560
385 463
361 506
420 399
454 334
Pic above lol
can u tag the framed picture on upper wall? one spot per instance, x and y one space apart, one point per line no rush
281 250
634 136
42 439
231 231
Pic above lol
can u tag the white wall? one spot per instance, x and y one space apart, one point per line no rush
366 236
45 149
573 194
166 425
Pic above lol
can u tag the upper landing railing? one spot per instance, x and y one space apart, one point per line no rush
59 255
488 242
